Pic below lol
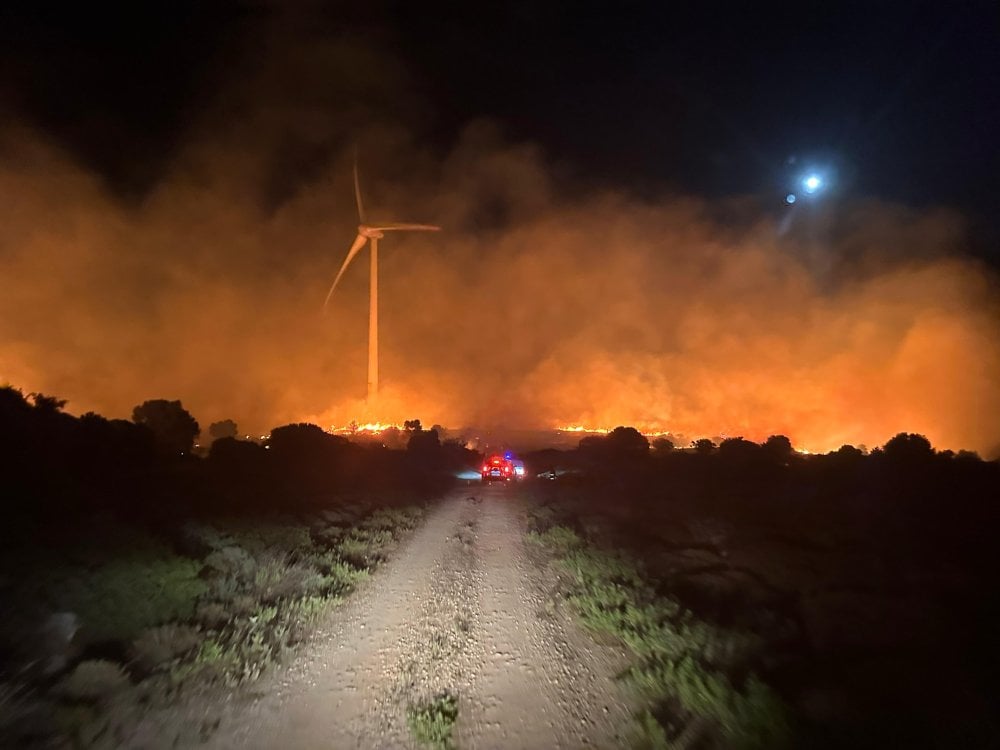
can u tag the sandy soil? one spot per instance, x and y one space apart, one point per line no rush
460 607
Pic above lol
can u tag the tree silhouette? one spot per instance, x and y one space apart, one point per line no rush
779 448
908 447
626 441
173 428
302 441
48 404
662 445
225 428
703 446
737 447
424 444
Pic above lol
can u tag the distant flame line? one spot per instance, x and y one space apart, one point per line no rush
373 428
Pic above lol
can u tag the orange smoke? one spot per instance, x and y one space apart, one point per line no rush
531 309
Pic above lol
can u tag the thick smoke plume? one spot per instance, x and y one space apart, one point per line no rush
534 308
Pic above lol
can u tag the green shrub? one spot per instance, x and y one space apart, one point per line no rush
354 551
93 681
250 644
341 578
117 600
680 657
432 722
649 733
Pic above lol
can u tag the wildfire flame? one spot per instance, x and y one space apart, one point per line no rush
647 431
372 428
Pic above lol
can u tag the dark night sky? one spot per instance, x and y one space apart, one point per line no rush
903 99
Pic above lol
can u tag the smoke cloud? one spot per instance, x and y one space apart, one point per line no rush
540 304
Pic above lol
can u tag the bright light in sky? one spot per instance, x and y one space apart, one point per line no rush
790 198
812 183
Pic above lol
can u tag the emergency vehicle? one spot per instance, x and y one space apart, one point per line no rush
498 467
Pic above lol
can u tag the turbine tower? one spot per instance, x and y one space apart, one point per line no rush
373 234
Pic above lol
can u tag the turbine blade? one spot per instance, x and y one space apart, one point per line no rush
395 227
357 189
359 242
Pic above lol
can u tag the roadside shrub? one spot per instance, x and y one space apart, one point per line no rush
432 722
362 548
212 615
753 718
391 519
119 599
276 578
231 561
280 538
341 578
328 536
649 733
354 552
680 657
249 645
560 539
92 681
199 539
211 662
159 646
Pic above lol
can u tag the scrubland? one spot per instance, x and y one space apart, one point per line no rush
774 599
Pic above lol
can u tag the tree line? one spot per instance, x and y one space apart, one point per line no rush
56 467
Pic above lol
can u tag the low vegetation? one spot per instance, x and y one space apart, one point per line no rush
432 721
137 574
838 600
157 618
687 671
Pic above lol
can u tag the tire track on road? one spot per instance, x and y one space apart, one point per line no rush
456 609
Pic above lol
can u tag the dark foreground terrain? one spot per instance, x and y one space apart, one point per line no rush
316 592
845 600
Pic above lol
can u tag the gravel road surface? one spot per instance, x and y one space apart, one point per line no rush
461 607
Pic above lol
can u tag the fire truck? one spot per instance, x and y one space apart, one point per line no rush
498 467
503 467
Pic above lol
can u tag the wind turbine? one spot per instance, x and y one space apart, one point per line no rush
367 233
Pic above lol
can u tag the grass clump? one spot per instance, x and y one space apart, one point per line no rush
560 539
681 661
432 721
364 548
392 519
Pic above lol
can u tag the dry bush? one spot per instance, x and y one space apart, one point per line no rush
212 615
277 578
93 680
159 646
231 562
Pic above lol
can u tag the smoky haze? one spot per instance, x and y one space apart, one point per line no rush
541 304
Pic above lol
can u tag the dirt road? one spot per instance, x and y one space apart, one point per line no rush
459 608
